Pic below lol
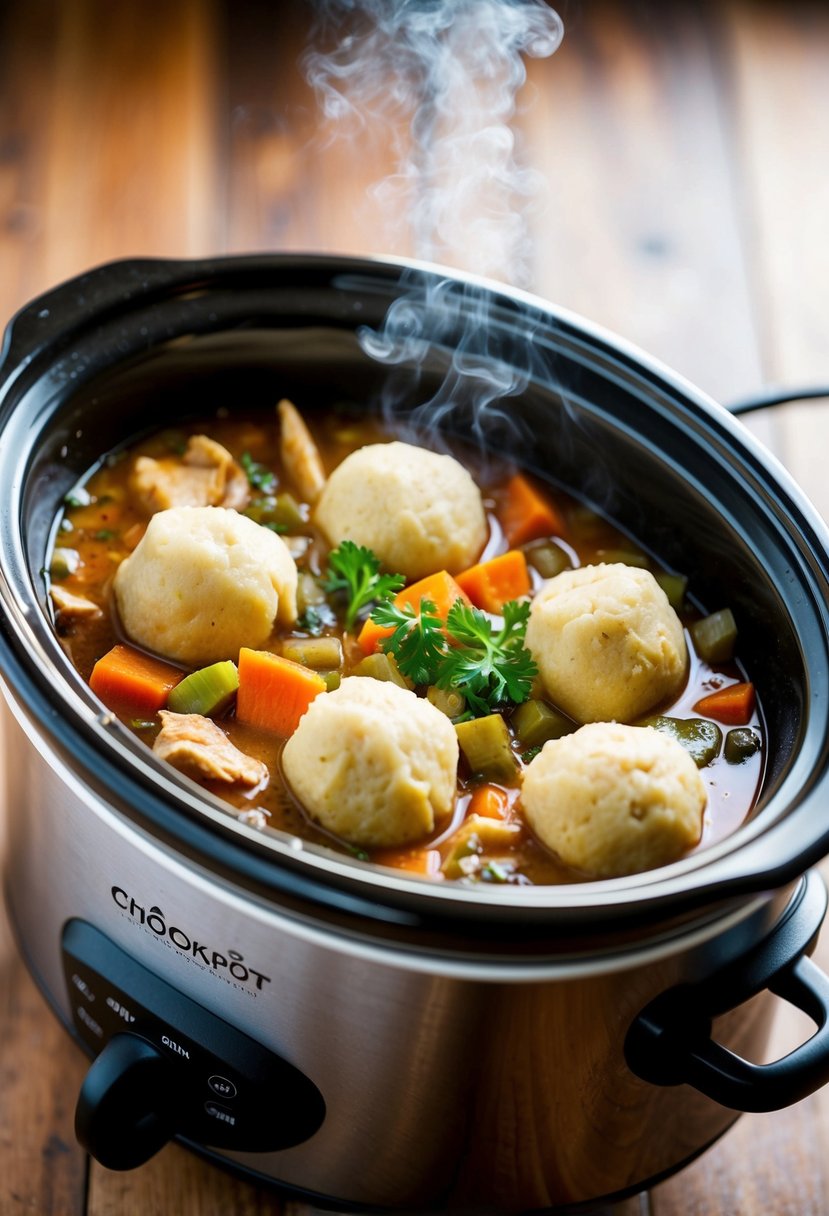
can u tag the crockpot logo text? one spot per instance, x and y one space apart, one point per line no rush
231 964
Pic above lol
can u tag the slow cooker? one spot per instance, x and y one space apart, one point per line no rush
348 1033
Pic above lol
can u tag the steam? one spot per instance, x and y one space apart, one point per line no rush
440 80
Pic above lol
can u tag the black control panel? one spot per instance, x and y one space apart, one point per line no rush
166 1066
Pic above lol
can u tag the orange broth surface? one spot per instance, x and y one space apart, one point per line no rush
105 529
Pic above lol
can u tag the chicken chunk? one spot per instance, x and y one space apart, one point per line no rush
198 747
300 457
205 476
70 605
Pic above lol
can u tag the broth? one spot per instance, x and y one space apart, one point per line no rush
102 522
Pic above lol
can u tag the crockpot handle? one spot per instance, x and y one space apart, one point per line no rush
101 292
777 396
670 1042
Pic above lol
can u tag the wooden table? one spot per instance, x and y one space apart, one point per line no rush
684 153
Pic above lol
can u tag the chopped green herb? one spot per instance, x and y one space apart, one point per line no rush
486 665
259 475
493 871
356 571
105 534
142 724
315 619
418 642
274 527
530 754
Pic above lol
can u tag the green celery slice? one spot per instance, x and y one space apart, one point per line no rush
485 742
206 691
715 635
700 738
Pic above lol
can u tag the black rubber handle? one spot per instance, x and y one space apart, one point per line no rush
125 1111
768 398
670 1042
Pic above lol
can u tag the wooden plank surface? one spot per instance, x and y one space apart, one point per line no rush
683 152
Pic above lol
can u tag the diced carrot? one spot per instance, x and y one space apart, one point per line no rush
128 680
492 584
527 514
733 705
440 588
414 861
274 692
490 801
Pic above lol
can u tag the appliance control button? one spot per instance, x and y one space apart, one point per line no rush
220 1113
222 1087
125 1112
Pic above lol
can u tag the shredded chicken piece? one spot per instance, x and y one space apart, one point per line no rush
205 476
300 455
198 747
68 604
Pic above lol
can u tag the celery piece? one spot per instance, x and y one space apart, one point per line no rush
535 722
320 654
714 636
485 743
309 594
280 511
701 739
474 838
625 557
381 666
740 744
549 559
206 691
64 562
448 700
674 586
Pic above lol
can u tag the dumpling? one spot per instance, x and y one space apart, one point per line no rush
373 763
608 644
417 510
204 581
613 799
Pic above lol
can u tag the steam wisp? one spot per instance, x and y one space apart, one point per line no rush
441 79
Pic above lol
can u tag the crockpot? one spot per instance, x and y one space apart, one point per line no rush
353 1034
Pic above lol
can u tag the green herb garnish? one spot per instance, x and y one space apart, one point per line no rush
418 641
356 571
105 534
466 653
259 475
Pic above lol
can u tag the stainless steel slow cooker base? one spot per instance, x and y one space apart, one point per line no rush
443 1080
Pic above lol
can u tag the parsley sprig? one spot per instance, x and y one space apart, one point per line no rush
259 475
489 665
417 642
356 571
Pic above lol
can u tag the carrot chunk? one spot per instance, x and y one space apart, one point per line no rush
527 514
733 705
492 584
133 682
415 861
489 801
274 692
440 588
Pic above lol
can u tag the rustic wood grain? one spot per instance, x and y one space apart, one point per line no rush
780 66
638 226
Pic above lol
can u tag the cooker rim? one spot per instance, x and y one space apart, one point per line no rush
702 879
